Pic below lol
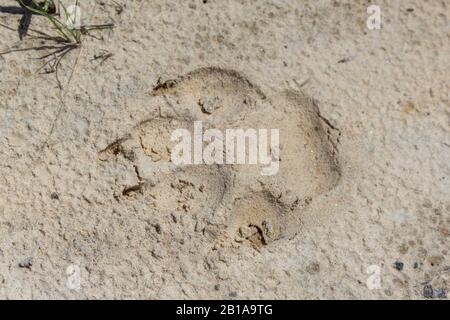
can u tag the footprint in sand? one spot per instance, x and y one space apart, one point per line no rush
236 202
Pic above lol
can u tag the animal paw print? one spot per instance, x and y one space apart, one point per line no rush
237 204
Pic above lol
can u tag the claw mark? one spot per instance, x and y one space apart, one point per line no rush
335 142
114 148
133 189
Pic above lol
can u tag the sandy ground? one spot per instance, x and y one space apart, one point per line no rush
90 208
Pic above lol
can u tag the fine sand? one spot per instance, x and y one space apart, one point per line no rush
91 205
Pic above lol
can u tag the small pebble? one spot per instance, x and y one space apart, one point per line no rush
54 196
158 228
439 293
313 268
398 265
233 294
429 292
26 263
210 104
246 231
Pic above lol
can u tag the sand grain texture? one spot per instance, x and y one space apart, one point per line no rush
364 180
